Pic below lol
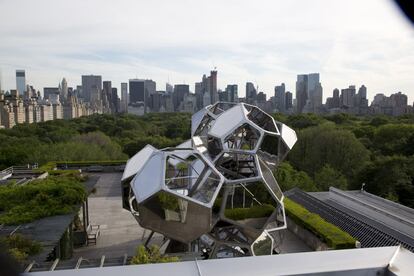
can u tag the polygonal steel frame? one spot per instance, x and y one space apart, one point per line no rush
242 180
218 127
190 151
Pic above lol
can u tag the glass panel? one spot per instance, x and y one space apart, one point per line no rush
245 137
271 181
262 119
204 126
235 166
263 245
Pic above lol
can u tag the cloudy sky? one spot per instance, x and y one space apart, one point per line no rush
265 41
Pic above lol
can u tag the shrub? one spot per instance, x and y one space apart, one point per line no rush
257 211
151 256
20 247
329 233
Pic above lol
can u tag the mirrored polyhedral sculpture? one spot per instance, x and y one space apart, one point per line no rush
217 190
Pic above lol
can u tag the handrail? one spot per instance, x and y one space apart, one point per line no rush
8 170
13 169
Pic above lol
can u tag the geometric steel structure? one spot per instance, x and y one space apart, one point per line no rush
216 190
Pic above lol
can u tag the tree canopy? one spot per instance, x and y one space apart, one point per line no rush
338 150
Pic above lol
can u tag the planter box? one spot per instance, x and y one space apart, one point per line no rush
79 238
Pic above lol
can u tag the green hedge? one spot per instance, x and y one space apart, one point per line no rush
329 233
50 166
257 211
47 167
55 195
90 163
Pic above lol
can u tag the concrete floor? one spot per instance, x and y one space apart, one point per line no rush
120 233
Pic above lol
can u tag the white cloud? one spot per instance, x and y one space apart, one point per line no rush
265 41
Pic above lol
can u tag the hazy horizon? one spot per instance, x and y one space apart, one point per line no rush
266 42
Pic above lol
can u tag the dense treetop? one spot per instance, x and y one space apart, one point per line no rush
337 150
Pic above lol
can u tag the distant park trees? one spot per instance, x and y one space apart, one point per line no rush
338 150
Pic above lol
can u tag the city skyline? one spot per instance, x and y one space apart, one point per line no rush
374 48
193 86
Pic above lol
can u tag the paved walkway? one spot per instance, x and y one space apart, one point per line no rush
120 232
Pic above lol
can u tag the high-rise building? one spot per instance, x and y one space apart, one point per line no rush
140 91
301 92
107 87
362 91
199 93
48 91
232 93
394 105
334 101
347 96
78 91
115 102
206 91
288 100
180 91
156 101
124 97
64 90
399 102
213 87
261 97
279 99
21 81
136 90
107 96
169 89
308 93
251 93
91 84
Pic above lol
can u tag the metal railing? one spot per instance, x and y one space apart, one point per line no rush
19 169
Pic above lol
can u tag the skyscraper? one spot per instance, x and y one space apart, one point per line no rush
21 81
124 97
288 100
107 96
169 89
251 93
48 91
334 101
114 100
136 90
107 87
64 90
347 96
206 90
199 93
362 92
279 99
232 93
180 91
213 87
308 93
91 84
140 91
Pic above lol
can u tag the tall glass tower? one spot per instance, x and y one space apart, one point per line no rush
21 81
